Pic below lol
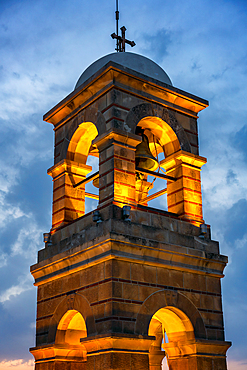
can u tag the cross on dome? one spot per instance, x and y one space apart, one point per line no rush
121 40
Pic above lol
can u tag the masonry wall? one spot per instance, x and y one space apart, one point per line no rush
116 288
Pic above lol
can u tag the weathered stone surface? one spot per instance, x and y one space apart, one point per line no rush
118 284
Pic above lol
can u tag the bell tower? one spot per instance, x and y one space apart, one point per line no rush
126 285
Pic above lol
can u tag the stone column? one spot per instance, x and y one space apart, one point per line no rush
59 357
68 202
197 355
117 176
184 195
117 351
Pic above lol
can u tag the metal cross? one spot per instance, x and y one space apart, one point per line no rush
121 40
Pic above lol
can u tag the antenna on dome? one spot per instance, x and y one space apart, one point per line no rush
117 19
121 40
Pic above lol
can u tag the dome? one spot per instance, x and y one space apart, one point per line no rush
133 61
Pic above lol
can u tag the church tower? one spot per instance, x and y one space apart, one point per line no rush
125 285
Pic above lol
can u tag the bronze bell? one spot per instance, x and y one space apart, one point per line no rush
96 182
143 156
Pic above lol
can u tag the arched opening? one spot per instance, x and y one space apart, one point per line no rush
81 150
172 329
81 141
163 142
71 328
161 136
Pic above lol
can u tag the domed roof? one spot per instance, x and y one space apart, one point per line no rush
133 61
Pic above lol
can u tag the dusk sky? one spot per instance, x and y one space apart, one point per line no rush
45 46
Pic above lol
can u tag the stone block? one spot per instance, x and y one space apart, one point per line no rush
115 111
213 319
105 291
146 291
117 289
121 269
204 363
98 311
125 310
163 277
92 294
130 291
212 334
107 166
195 298
217 304
213 285
48 307
150 274
194 281
137 272
105 326
128 327
108 269
95 273
207 302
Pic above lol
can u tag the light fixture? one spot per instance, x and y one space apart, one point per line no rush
96 216
47 238
126 213
204 230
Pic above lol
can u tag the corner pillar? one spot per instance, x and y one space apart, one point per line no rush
68 202
117 178
117 351
155 358
184 196
196 355
59 357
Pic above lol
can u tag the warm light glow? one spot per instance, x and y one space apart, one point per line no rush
163 132
174 322
81 141
71 328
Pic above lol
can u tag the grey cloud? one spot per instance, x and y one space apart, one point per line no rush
157 45
231 177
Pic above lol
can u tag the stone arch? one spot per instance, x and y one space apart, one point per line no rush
76 303
145 110
90 114
175 301
169 323
167 138
80 143
71 328
177 324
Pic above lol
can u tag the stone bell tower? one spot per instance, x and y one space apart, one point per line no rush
127 284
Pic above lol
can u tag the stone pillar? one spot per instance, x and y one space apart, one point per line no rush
117 176
197 355
184 195
59 357
117 351
68 202
155 358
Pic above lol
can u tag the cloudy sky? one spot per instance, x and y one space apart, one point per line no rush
45 45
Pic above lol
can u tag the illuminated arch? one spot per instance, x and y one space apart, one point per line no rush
167 139
71 328
81 141
175 301
147 110
73 302
172 324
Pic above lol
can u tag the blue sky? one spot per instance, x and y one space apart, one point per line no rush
45 45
